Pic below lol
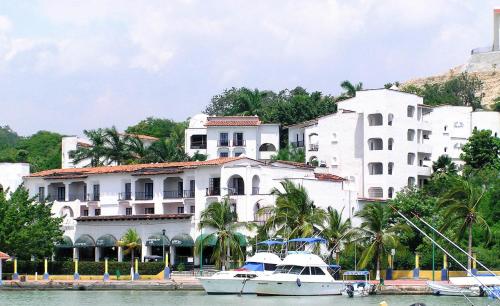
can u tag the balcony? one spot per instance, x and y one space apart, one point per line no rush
223 143
125 196
175 194
239 143
212 192
198 145
297 144
143 196
255 190
313 147
56 197
235 191
93 197
424 171
77 196
189 194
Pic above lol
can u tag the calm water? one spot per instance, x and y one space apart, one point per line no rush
147 298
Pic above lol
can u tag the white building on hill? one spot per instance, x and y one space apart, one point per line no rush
231 136
100 204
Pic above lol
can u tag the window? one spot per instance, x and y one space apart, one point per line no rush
61 193
375 119
390 118
97 192
191 209
375 168
238 140
180 210
375 192
267 147
224 154
213 186
445 149
128 191
459 124
411 158
316 271
411 181
198 141
128 211
390 142
85 212
390 167
410 135
390 192
375 144
305 271
97 212
41 194
148 191
269 267
296 270
410 111
223 139
149 210
236 154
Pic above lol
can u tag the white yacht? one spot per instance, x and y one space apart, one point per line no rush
237 281
301 273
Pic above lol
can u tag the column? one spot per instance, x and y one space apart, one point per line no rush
444 271
66 191
120 254
132 189
15 275
158 194
416 271
474 263
97 252
106 273
76 276
144 250
45 269
172 255
75 253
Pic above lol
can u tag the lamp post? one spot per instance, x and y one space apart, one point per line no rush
163 231
166 269
201 250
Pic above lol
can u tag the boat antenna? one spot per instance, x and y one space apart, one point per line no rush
455 245
493 293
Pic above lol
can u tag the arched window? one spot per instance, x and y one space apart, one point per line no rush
390 142
390 167
390 192
255 184
375 168
390 118
375 144
410 111
267 147
236 185
375 119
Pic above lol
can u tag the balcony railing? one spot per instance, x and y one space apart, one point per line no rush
198 145
298 144
313 147
223 143
77 196
143 195
93 197
255 190
56 197
239 143
189 193
169 194
125 196
212 192
235 191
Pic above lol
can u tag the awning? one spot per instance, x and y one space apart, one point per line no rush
210 241
84 241
106 241
242 239
4 256
158 240
65 243
182 240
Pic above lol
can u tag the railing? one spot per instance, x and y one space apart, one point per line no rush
125 196
223 143
234 191
143 195
177 194
313 147
239 143
93 197
261 218
189 194
482 50
77 196
297 144
255 190
56 197
198 145
212 192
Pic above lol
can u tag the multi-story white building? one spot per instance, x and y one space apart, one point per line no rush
231 136
100 204
72 143
11 175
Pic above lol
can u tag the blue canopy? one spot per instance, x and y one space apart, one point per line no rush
363 273
308 240
253 266
271 242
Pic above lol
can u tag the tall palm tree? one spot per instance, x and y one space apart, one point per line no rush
350 88
460 206
138 151
336 231
378 232
294 214
219 217
116 146
96 152
131 241
444 164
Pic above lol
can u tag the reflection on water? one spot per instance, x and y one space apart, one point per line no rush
178 298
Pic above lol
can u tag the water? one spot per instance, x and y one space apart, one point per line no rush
181 298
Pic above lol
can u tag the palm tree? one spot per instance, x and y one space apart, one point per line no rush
138 151
294 214
350 89
95 152
336 231
378 232
218 216
444 164
460 207
250 102
130 242
116 146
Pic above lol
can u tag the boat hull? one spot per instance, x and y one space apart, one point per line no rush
227 286
294 288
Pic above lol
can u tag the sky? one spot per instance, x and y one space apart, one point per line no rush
67 65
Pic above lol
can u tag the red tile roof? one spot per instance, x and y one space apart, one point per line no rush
138 168
4 256
140 136
291 163
134 217
328 177
233 121
84 144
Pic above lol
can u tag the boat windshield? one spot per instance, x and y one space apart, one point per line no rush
288 269
283 269
296 270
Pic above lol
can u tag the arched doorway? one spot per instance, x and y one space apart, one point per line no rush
255 184
236 185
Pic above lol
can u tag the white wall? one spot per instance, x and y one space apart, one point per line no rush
11 175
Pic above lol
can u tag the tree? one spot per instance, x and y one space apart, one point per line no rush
42 150
137 150
96 152
481 150
444 164
27 227
131 241
496 106
219 217
294 214
378 232
151 126
290 154
350 89
336 231
116 146
461 210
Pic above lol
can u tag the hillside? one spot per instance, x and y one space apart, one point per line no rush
491 83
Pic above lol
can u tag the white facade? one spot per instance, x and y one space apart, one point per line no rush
231 136
11 175
152 197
